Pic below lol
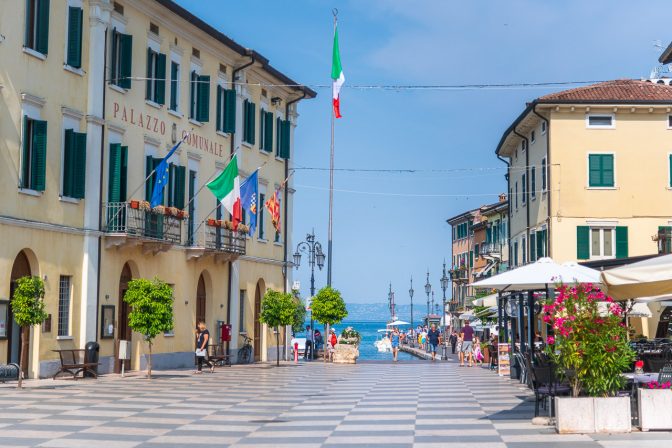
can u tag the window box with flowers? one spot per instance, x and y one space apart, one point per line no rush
590 350
655 406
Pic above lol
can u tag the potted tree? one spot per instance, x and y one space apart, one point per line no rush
151 303
28 310
590 350
277 309
329 309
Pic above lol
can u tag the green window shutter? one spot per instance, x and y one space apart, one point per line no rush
68 162
149 185
74 54
181 183
114 177
262 123
252 108
268 144
471 258
123 175
278 135
582 242
203 98
230 111
220 99
608 170
150 70
126 55
27 36
284 145
533 182
476 250
246 120
113 59
621 241
171 185
42 27
161 79
174 68
38 158
594 170
79 167
533 247
669 182
540 243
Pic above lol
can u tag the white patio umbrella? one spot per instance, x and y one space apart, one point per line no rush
397 322
539 275
640 309
648 278
490 300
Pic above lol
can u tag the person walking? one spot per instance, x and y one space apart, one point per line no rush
467 334
309 344
333 340
453 341
433 340
459 349
478 354
394 340
202 340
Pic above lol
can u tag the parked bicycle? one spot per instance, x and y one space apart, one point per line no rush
245 352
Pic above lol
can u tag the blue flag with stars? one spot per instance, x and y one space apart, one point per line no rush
162 177
249 191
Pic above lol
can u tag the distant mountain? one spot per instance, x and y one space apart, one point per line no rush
378 312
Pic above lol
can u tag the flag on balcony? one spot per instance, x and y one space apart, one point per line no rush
249 191
161 173
226 188
337 76
273 207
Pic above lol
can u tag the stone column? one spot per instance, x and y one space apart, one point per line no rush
99 18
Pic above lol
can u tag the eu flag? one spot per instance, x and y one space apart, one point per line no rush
249 191
161 172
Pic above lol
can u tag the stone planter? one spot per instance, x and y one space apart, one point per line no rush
346 354
588 415
655 408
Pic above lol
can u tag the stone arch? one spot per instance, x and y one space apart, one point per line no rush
259 292
25 264
123 330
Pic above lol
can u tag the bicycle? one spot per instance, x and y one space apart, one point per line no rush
245 352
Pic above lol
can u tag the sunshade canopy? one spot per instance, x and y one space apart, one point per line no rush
490 300
539 275
397 322
648 278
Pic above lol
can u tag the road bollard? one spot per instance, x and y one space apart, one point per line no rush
296 352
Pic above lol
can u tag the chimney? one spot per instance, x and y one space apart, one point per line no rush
502 197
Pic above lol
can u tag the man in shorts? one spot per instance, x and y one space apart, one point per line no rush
467 334
433 339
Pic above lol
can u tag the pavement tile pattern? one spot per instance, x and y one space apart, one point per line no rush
413 404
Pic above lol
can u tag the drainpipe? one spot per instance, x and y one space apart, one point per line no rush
232 149
508 207
100 188
527 191
548 178
286 205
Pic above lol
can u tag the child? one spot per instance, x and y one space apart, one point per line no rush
477 351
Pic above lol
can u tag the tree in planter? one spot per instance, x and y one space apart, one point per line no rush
151 314
28 310
328 307
277 309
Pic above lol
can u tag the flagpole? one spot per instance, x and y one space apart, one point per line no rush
331 183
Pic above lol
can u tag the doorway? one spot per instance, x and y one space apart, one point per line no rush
257 324
20 268
201 298
123 329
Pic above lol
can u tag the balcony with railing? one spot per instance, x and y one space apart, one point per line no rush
491 251
218 239
459 274
134 223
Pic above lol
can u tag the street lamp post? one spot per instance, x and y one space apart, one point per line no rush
410 293
444 286
428 290
390 302
432 307
315 257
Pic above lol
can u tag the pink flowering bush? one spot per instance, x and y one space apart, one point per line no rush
590 346
657 385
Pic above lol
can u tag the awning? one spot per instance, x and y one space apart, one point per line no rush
489 312
467 316
652 277
490 300
483 272
640 309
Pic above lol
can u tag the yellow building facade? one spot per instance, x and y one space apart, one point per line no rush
94 93
589 172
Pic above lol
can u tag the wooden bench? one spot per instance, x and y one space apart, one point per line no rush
74 362
217 354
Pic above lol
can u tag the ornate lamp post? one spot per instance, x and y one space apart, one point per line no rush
390 303
428 290
444 285
315 257
410 293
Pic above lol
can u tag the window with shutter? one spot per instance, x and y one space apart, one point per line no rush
621 242
174 85
68 162
160 89
285 139
114 174
193 95
37 26
533 247
180 187
543 174
524 184
123 175
125 60
262 129
600 170
230 111
219 120
533 182
75 22
151 68
74 164
38 156
203 108
582 242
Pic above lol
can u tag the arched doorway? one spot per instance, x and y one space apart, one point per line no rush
257 325
201 299
123 330
20 268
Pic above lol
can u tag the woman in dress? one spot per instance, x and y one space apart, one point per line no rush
459 349
394 339
202 340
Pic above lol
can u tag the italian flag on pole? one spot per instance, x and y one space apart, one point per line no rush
226 187
337 76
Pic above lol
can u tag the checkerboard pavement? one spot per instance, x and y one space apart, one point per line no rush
410 404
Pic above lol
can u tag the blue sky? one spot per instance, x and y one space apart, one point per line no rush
383 238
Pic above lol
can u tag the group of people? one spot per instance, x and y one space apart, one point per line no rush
468 346
315 343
